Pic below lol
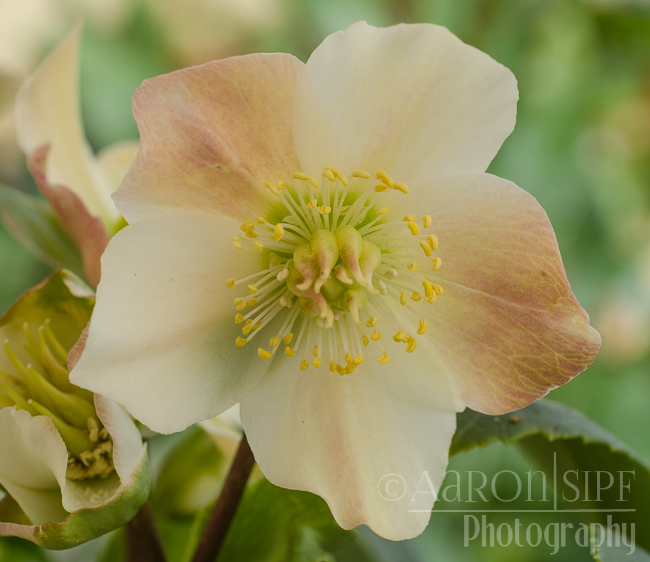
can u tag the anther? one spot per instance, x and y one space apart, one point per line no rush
412 344
315 351
261 220
413 266
403 297
287 339
304 365
275 341
230 282
240 342
289 351
278 231
239 319
383 211
370 323
361 174
252 289
258 245
263 353
365 340
416 296
376 335
433 241
324 210
437 262
299 176
401 187
422 328
426 221
384 359
427 249
237 245
317 362
408 218
413 227
329 175
390 273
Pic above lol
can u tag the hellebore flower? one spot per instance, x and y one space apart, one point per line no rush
77 184
291 223
73 464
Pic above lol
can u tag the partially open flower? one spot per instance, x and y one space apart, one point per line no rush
320 243
73 463
77 184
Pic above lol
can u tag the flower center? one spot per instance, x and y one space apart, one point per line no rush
44 388
337 270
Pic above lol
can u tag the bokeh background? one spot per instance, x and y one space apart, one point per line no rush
581 147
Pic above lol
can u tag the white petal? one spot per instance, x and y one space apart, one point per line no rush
162 335
47 112
33 463
342 437
116 160
410 99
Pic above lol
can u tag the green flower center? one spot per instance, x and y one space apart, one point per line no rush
43 387
337 265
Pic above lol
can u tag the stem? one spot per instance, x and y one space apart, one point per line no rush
224 510
143 543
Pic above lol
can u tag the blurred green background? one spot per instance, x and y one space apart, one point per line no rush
581 147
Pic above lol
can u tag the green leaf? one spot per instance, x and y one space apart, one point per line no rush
33 223
17 550
563 441
275 524
612 549
190 478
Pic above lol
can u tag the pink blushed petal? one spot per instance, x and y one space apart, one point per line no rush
162 336
85 230
507 327
211 136
373 444
413 100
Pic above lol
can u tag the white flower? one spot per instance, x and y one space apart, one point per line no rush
293 223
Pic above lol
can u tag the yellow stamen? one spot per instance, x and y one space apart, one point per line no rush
403 297
257 325
412 344
412 266
312 204
252 289
238 300
317 362
408 218
247 329
437 262
240 342
299 176
239 319
361 174
416 296
383 211
324 210
230 282
376 335
315 351
263 353
426 221
261 220
340 370
304 365
278 232
425 246
428 288
365 340
413 227
237 245
400 336
423 327
329 175
343 179
241 306
381 187
252 302
275 341
401 187
313 182
289 351
258 245
433 241
271 187
332 366
384 359
438 289
287 339
370 323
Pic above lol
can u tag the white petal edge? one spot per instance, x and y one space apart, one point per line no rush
33 463
162 336
412 100
351 439
48 113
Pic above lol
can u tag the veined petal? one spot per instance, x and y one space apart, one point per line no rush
33 462
508 327
47 113
162 337
366 442
211 136
410 99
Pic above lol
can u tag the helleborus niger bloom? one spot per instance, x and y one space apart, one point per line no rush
77 184
73 464
321 243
